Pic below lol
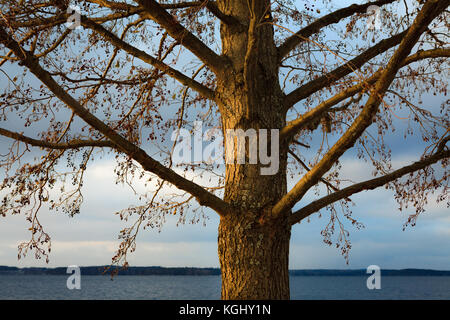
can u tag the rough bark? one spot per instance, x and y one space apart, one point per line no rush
253 257
253 251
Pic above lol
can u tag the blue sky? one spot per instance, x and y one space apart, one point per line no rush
90 238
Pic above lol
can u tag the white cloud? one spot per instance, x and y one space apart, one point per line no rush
84 253
90 238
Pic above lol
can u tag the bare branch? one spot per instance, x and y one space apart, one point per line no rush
331 18
296 125
215 62
148 163
210 5
73 144
116 41
327 183
327 79
366 185
62 18
229 20
113 5
427 14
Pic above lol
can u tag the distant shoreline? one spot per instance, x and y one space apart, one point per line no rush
144 271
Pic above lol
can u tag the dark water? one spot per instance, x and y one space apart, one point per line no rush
208 287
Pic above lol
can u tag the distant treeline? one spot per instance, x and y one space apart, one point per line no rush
144 271
363 272
98 270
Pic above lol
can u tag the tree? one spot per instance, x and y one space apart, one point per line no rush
113 72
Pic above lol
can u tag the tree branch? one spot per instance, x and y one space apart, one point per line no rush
328 184
430 10
181 5
113 5
210 5
215 62
331 18
61 18
148 163
74 144
229 20
366 185
204 91
296 125
327 79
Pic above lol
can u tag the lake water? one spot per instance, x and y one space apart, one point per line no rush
208 287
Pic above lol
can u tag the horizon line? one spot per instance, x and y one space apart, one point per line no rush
218 268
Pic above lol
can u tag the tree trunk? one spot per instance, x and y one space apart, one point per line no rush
254 258
253 248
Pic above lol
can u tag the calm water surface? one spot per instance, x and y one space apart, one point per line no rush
208 287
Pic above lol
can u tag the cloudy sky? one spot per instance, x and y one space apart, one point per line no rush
90 238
